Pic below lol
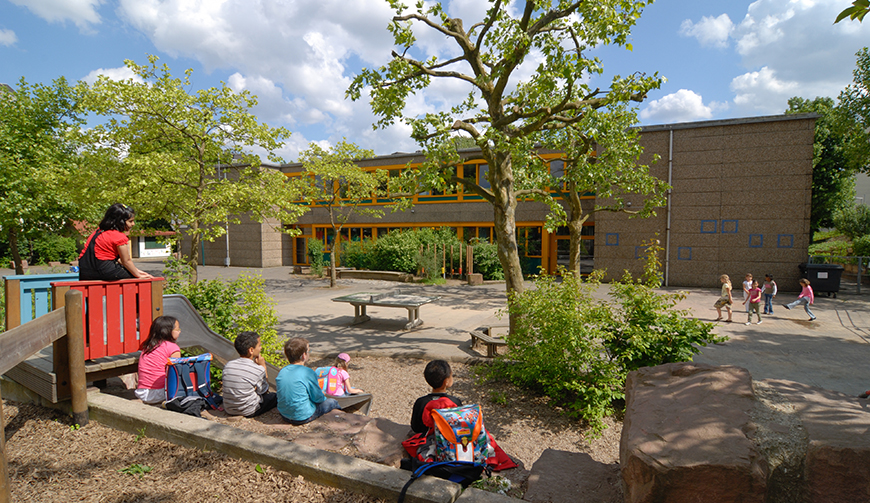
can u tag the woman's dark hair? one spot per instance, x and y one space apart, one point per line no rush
116 218
161 330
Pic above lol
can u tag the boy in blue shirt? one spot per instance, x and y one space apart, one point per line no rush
300 399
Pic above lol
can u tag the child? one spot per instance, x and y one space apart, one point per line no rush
806 298
438 375
300 399
159 346
725 300
754 300
747 285
769 292
245 387
342 384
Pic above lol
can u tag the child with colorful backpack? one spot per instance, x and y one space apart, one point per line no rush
156 349
439 375
338 380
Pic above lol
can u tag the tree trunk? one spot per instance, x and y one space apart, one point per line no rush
504 216
332 265
13 244
575 229
195 239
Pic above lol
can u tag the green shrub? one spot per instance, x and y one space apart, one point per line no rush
485 256
853 222
861 246
578 350
231 307
397 251
357 254
53 248
315 256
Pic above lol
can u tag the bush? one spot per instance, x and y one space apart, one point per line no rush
52 248
230 307
397 251
853 222
861 246
578 350
315 256
486 261
357 254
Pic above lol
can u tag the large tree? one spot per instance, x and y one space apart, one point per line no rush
833 171
186 156
37 156
334 182
505 113
854 114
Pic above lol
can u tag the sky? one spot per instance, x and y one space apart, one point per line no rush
721 59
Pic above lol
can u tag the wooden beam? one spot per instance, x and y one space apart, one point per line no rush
23 341
76 341
13 303
5 487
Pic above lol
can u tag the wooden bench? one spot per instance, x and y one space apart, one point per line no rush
492 342
380 275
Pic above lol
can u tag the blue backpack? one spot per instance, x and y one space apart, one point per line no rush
190 377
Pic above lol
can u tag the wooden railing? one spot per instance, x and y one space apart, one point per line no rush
117 314
28 296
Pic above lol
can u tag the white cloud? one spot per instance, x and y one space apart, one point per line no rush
81 12
681 106
7 37
710 31
119 74
762 91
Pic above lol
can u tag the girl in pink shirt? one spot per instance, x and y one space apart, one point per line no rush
806 298
156 350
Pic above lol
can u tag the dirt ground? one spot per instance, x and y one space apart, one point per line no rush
50 461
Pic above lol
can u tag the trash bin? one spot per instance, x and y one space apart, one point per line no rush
824 278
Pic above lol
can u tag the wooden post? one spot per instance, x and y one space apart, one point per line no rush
75 337
6 489
443 260
13 303
60 347
156 300
469 259
452 270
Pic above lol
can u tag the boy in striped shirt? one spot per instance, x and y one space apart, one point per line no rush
245 387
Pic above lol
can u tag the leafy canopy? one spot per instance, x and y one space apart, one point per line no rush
188 157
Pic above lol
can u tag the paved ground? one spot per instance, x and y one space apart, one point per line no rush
833 352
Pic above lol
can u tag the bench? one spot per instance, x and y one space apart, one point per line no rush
492 342
381 275
412 303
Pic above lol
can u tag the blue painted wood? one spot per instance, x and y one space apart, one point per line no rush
34 290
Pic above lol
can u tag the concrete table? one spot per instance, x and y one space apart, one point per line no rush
391 299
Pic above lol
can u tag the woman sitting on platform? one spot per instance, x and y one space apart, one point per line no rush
107 255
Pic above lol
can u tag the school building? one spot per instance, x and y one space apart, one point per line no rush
740 203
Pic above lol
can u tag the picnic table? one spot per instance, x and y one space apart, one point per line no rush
390 299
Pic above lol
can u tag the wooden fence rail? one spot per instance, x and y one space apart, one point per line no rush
29 296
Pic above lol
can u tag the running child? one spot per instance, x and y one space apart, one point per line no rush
806 298
725 300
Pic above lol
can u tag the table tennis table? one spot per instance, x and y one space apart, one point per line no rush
412 303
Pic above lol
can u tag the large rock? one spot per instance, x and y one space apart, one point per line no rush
837 463
685 436
572 476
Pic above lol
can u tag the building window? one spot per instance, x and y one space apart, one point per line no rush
756 240
301 251
482 171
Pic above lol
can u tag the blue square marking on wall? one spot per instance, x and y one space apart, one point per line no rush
640 251
611 239
785 241
729 226
708 226
684 253
756 240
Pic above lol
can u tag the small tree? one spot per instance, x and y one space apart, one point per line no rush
334 182
183 156
38 158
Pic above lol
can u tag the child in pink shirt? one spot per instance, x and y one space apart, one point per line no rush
806 298
156 350
342 384
754 299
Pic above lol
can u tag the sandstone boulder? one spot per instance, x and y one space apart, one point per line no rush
686 436
562 476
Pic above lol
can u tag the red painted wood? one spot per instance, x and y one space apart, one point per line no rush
131 341
144 308
96 347
114 345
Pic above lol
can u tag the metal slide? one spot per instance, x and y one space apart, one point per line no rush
194 332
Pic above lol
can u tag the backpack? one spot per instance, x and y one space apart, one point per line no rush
190 377
460 435
327 378
461 472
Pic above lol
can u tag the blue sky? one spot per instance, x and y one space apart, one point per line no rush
721 59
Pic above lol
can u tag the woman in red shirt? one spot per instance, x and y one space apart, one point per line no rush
107 252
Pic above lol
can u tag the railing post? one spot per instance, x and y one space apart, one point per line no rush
860 266
13 303
60 347
76 347
6 489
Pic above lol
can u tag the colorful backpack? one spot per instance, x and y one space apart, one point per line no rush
327 378
460 435
190 377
